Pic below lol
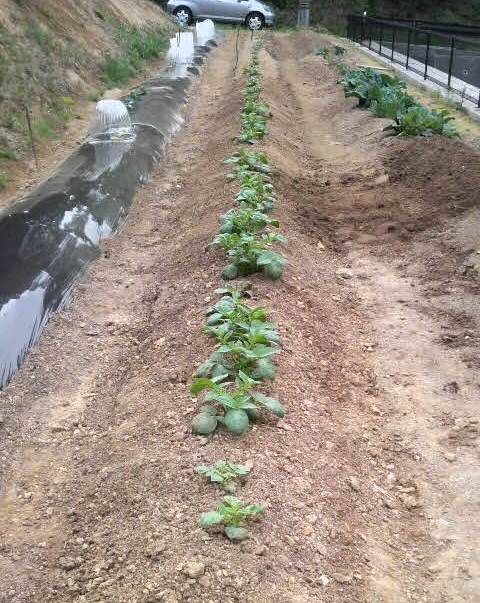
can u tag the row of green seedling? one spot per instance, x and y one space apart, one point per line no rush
246 341
232 513
247 233
241 361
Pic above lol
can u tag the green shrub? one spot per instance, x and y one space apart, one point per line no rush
4 180
117 70
322 52
45 128
7 153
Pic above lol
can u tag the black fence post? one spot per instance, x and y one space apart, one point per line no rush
394 31
408 48
370 36
450 64
381 40
427 53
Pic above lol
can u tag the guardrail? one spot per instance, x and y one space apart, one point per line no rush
450 60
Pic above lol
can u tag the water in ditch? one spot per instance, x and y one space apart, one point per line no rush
48 237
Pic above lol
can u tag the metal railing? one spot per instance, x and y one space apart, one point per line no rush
448 57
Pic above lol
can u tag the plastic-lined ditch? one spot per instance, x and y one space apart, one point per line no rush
48 238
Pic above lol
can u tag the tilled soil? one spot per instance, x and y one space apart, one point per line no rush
370 482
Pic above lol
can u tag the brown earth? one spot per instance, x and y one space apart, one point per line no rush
371 482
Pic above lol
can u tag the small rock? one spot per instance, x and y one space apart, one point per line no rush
204 581
155 550
285 426
194 569
383 179
57 428
344 273
320 246
450 456
409 501
354 483
343 578
67 563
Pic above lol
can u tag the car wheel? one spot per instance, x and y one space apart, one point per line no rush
255 21
183 15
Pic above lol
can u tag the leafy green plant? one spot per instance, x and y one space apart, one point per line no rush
247 354
250 253
419 121
256 193
7 153
117 70
224 474
244 162
4 180
339 51
235 403
367 84
246 220
322 52
390 101
232 514
232 319
254 127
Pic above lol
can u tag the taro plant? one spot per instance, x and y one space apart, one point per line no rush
224 474
232 514
235 403
419 121
250 253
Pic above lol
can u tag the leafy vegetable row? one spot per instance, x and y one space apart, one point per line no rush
386 97
229 382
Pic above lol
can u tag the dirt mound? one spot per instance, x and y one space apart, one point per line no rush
447 172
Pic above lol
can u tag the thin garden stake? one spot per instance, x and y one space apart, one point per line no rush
236 51
30 131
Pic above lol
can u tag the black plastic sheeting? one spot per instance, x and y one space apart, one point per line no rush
49 237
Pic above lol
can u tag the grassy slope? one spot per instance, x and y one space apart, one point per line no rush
53 54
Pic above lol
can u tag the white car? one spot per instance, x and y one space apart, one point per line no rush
252 13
